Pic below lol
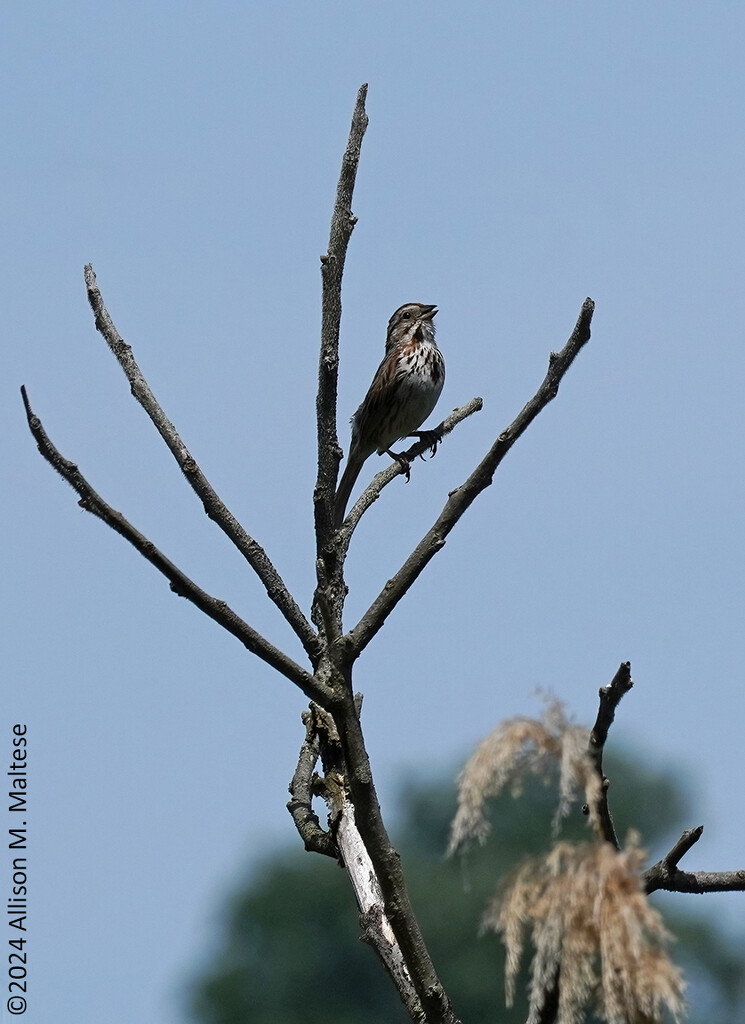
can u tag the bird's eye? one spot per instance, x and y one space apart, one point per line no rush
406 315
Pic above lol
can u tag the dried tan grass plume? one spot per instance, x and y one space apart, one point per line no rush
518 748
588 917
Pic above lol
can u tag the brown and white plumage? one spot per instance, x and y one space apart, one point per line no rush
403 393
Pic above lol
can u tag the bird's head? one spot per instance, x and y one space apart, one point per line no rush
412 320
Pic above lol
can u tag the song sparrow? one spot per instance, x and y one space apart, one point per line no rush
403 393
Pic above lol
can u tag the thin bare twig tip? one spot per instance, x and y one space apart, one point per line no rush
26 403
359 108
89 275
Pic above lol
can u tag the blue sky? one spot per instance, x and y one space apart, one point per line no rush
519 158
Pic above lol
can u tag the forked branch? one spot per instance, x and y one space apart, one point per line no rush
666 874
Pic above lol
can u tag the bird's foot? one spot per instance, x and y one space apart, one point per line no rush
403 462
431 437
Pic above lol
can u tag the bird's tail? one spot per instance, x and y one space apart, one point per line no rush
347 482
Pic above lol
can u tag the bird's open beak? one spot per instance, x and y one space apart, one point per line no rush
428 312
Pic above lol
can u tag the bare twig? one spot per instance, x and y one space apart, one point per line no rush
610 697
180 582
686 842
458 501
332 269
666 875
254 554
394 469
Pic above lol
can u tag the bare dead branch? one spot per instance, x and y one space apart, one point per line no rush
695 882
375 934
703 882
368 855
394 469
180 583
345 842
300 805
368 893
458 501
332 270
686 842
610 696
666 875
387 866
216 510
